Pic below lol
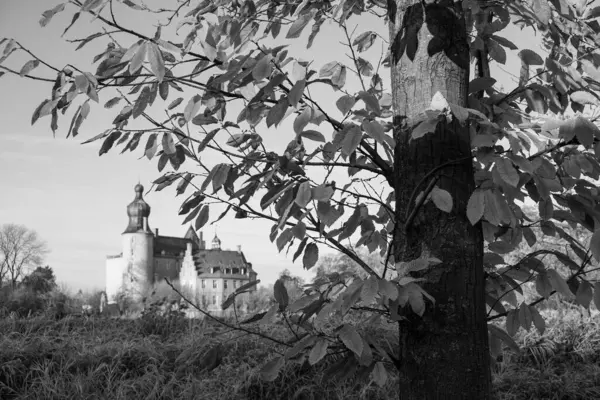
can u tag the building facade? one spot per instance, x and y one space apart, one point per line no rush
209 275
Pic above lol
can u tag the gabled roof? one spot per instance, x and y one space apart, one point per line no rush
205 259
172 246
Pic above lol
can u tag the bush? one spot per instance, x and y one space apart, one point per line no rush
24 302
163 318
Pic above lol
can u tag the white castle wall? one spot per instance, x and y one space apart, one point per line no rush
188 277
115 268
138 250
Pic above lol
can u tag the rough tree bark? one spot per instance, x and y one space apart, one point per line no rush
444 355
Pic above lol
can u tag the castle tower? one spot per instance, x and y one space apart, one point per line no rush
216 243
138 248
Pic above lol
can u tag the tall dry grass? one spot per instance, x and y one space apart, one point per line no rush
87 358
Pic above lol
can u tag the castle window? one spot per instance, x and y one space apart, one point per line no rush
225 284
214 299
234 283
203 283
203 300
214 284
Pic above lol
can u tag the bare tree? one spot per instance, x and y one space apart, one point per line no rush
20 248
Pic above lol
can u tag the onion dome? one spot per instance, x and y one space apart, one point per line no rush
216 243
138 211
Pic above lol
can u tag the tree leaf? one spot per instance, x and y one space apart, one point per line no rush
270 370
311 256
442 199
351 339
379 374
512 322
374 129
48 14
525 317
584 294
595 244
476 206
281 295
558 283
151 146
300 23
168 144
338 79
582 97
299 230
175 103
108 142
543 285
370 101
202 217
503 336
352 137
507 171
479 84
597 295
262 69
313 135
496 51
425 127
530 57
157 64
345 103
542 11
329 69
296 92
138 58
302 120
202 119
538 320
277 112
364 41
318 351
220 173
28 67
304 194
369 290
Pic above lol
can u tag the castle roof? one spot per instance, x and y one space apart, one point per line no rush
137 211
219 258
172 246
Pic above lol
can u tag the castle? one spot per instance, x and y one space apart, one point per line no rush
210 275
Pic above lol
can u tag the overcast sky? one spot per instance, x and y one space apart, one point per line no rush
76 200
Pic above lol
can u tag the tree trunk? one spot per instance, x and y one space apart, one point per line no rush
444 354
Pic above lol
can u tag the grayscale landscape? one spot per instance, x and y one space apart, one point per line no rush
300 199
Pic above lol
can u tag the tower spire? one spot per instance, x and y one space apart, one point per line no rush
138 212
216 242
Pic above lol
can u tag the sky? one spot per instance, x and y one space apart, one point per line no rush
77 200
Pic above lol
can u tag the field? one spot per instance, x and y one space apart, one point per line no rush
93 358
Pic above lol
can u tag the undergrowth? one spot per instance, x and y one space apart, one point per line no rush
77 358
94 358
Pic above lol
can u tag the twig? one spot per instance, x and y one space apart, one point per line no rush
220 321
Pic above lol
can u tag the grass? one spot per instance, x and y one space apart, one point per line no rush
77 358
563 364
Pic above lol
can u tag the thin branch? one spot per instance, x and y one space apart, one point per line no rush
224 323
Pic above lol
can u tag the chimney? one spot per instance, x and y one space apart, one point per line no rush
156 232
239 248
